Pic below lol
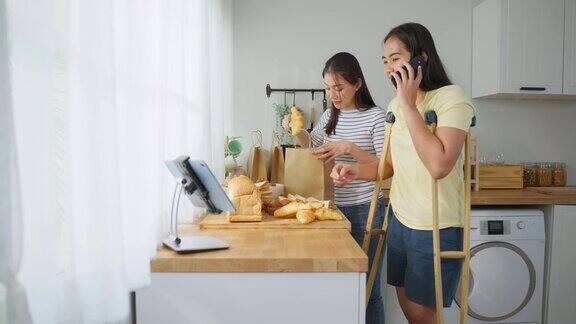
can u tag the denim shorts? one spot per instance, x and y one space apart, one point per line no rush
411 262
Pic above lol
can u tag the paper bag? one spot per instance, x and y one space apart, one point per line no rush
307 176
257 161
276 161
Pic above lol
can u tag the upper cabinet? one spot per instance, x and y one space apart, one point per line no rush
523 49
570 48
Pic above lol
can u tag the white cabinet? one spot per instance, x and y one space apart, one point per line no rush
570 48
518 48
272 297
560 305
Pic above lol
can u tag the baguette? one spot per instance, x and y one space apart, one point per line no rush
305 216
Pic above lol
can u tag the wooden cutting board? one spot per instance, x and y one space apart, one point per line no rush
268 221
568 191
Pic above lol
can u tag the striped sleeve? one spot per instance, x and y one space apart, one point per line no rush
364 128
378 130
317 134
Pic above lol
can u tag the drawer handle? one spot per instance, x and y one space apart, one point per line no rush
533 88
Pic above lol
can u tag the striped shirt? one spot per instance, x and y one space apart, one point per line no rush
366 130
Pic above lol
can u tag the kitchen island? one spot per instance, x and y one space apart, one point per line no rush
266 276
288 275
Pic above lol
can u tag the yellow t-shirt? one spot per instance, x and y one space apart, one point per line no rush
411 189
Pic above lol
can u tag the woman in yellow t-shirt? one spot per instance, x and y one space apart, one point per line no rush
417 156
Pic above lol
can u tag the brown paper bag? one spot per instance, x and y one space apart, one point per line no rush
276 161
307 176
257 161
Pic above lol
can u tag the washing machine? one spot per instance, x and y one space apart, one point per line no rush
506 270
506 267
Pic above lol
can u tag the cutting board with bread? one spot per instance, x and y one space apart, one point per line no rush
256 207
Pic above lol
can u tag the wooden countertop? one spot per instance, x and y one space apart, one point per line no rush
268 250
517 197
309 250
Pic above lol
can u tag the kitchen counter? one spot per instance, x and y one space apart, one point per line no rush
517 197
520 197
268 250
257 278
307 250
266 276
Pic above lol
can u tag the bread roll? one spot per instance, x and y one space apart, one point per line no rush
290 210
305 216
327 214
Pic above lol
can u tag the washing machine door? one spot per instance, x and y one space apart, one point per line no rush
502 281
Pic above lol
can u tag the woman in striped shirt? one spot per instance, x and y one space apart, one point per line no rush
351 131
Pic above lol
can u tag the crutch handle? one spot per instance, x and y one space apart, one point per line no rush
390 118
453 254
376 231
430 117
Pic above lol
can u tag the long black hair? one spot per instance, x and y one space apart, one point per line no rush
418 40
346 66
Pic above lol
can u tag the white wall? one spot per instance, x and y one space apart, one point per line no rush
285 43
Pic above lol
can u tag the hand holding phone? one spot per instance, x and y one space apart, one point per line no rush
416 61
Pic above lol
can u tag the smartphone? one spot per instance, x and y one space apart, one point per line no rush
416 61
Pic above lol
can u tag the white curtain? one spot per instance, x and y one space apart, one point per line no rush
13 306
103 92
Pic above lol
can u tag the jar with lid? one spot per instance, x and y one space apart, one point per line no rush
559 174
544 174
529 174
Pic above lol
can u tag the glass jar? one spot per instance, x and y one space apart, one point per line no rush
544 175
559 174
530 177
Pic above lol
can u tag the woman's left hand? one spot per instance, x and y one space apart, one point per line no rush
407 84
329 151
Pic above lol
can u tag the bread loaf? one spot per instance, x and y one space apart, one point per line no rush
246 199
